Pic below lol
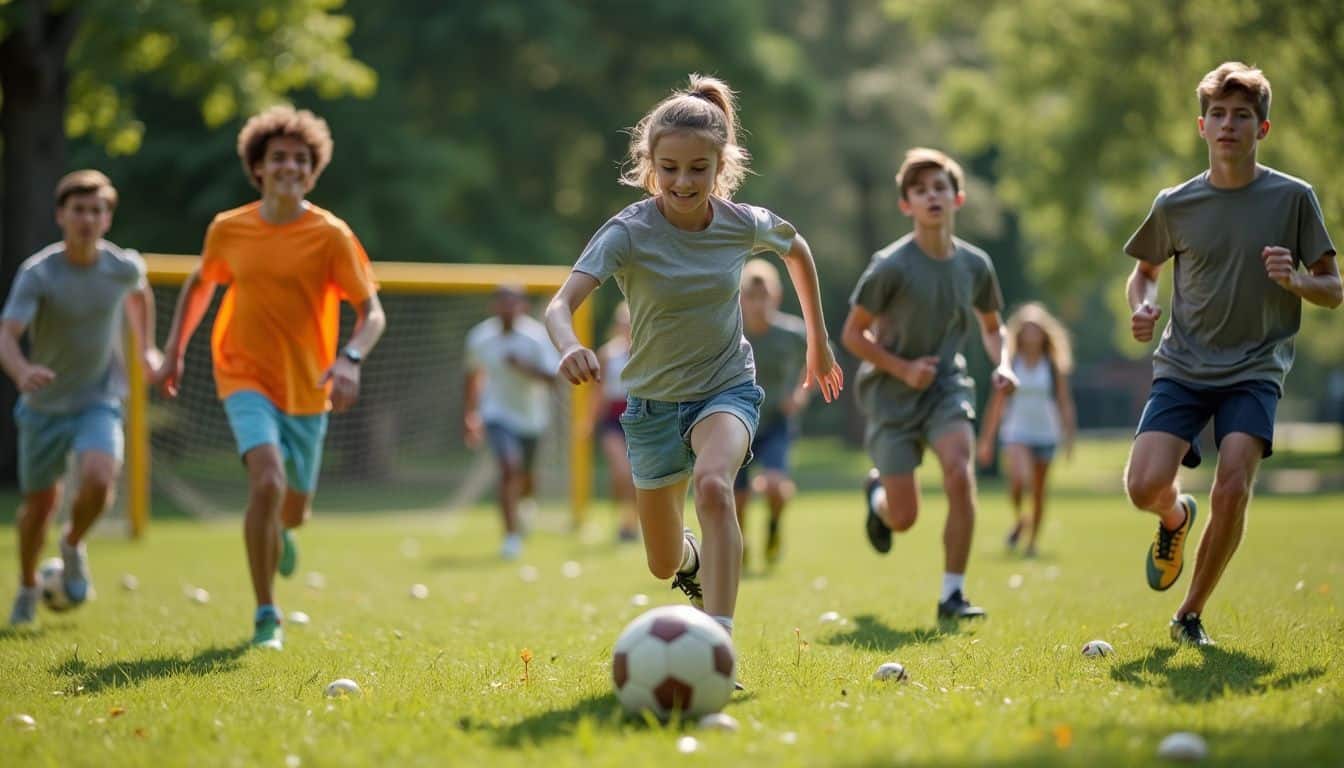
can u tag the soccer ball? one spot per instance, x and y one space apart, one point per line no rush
50 576
674 659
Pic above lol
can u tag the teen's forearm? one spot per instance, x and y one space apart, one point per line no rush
370 323
994 340
560 325
1140 289
11 357
1321 290
863 346
993 413
471 393
192 304
803 272
140 315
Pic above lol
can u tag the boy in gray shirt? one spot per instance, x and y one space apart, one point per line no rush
69 298
1238 233
912 312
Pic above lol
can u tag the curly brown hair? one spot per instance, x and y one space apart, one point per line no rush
284 120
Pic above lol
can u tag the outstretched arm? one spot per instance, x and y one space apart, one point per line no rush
192 302
578 363
821 365
995 338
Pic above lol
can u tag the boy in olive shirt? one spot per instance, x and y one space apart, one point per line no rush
912 312
779 345
1238 233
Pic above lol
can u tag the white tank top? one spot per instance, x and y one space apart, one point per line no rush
613 388
1032 415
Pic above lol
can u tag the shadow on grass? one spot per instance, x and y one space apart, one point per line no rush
95 677
584 720
1218 672
870 632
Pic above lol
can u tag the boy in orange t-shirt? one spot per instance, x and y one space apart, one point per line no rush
287 264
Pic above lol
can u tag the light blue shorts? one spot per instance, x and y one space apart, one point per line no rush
47 439
658 433
256 421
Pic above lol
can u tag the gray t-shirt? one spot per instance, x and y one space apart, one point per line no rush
1229 322
923 307
682 287
781 355
74 319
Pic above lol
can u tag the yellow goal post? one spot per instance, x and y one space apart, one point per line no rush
432 280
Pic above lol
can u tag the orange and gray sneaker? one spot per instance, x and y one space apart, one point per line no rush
1166 556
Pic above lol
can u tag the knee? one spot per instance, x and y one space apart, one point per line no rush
1144 492
957 477
98 480
1230 493
713 493
663 565
902 510
778 489
267 485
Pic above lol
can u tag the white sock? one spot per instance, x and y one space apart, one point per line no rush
726 622
878 497
689 559
951 583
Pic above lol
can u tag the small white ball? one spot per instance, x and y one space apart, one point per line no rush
1098 648
1183 746
571 569
316 580
129 582
829 617
198 595
687 744
419 591
639 600
892 670
342 687
298 617
1015 581
528 573
718 721
22 722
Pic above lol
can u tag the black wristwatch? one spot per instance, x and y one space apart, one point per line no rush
353 355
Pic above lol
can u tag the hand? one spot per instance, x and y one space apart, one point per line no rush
344 378
1279 265
822 368
1142 322
579 365
1068 447
473 429
153 364
1004 380
920 372
985 454
34 377
169 375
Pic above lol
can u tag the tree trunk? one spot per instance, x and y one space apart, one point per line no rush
34 81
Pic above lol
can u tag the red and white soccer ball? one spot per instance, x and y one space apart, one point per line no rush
674 659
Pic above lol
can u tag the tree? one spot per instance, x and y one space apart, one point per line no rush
64 66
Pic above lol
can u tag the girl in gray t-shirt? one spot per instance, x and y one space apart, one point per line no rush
693 403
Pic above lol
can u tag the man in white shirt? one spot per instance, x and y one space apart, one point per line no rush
511 365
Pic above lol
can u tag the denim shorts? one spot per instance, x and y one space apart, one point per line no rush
1184 410
658 432
770 451
47 439
256 421
510 446
1043 453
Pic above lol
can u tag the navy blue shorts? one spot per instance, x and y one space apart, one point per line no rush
770 451
1183 410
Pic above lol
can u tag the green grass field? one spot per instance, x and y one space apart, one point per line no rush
150 678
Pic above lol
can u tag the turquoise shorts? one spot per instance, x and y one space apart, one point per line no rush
256 421
658 433
47 439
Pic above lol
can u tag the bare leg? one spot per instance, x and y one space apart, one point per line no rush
1238 457
779 490
898 504
660 517
1019 478
510 491
1039 471
1150 476
33 519
97 486
296 509
622 485
954 451
720 442
261 522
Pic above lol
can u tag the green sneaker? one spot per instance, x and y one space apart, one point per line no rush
1166 555
268 632
289 554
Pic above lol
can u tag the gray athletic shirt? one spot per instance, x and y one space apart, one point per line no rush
74 318
682 287
1229 322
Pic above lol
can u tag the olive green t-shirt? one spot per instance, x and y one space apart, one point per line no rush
922 306
781 355
686 340
1229 322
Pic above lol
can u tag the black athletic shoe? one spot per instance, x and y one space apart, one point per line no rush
1189 630
956 606
879 535
689 583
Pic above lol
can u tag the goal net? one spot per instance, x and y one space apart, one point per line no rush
400 448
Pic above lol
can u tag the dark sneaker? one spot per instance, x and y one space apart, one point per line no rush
1189 630
25 606
879 535
956 606
1166 555
75 578
772 544
289 554
1010 541
690 582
